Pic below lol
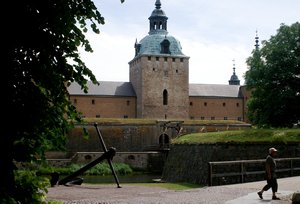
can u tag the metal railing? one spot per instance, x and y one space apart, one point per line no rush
243 171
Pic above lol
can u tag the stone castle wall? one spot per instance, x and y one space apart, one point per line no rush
190 163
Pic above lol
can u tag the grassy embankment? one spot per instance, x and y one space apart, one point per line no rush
242 136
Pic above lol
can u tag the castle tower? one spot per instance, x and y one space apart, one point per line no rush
159 72
234 80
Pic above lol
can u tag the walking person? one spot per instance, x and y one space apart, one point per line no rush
270 175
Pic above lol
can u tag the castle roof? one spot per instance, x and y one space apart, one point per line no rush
110 88
214 90
158 41
106 88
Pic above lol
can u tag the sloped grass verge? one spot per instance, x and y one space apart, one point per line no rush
241 136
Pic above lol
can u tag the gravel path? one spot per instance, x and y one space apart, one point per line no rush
130 194
109 194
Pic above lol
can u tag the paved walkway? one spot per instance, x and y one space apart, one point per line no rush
129 194
287 186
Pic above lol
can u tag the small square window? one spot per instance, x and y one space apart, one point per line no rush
149 58
166 73
93 101
173 59
157 58
224 104
205 103
191 103
181 59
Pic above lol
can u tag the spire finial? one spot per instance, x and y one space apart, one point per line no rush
233 61
157 4
234 80
256 41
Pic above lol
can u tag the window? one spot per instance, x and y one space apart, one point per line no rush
237 104
166 59
173 59
191 103
125 116
212 118
93 101
157 58
202 117
75 101
192 117
205 103
225 118
165 47
166 73
239 118
165 97
97 116
224 104
181 59
149 58
176 70
128 103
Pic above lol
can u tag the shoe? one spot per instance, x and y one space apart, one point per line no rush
275 198
260 195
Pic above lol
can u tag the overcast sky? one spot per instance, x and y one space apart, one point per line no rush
212 33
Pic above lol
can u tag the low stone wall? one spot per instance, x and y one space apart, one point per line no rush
189 163
147 161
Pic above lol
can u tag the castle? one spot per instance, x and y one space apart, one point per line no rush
158 86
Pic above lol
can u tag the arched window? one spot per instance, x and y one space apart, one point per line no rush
165 97
165 47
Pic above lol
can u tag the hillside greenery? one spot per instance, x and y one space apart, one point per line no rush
241 136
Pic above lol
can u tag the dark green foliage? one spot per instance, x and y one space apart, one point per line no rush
40 59
274 78
100 169
29 188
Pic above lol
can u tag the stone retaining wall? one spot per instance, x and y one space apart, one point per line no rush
146 161
189 163
134 137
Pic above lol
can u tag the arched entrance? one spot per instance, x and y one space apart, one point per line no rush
164 141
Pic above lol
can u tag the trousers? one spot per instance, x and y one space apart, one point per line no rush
271 183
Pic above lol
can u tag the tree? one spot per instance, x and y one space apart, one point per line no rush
41 59
274 79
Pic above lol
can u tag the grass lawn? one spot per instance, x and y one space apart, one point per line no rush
241 136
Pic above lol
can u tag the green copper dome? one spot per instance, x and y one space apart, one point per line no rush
158 41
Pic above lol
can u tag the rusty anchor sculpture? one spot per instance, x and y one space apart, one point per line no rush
73 178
